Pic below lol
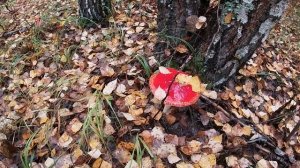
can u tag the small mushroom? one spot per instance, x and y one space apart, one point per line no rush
178 95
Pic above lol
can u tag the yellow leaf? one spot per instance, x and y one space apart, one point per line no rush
247 130
63 59
190 80
217 138
207 161
181 49
76 125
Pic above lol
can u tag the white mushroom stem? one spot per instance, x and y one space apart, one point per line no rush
166 108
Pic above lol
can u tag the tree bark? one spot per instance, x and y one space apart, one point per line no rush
234 30
95 10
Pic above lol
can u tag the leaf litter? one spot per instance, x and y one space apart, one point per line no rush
74 97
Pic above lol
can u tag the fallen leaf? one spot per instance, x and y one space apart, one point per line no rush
49 162
128 116
132 164
211 94
121 89
65 140
147 162
75 125
109 129
213 3
207 161
164 70
173 159
110 87
95 153
181 49
194 81
228 18
159 93
184 165
232 161
139 29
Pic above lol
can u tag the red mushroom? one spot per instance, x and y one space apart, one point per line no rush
178 94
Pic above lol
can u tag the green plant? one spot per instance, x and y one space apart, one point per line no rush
139 150
26 157
142 60
108 101
94 122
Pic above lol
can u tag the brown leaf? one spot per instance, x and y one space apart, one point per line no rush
228 18
181 49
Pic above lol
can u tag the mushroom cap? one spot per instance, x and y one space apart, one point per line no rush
179 95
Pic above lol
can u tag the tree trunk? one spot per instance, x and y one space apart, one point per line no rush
234 30
95 10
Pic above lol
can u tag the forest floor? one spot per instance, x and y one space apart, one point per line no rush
74 97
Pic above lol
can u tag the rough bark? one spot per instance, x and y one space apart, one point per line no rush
225 47
95 10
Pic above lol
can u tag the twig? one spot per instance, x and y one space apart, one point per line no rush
189 58
11 33
242 122
272 155
280 109
295 129
218 30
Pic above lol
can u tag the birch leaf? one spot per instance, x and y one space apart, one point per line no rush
159 93
110 87
164 70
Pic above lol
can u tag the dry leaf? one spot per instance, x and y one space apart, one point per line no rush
232 161
139 29
95 153
211 94
207 161
109 129
213 3
181 49
194 81
122 155
132 164
147 162
128 116
65 140
164 70
184 165
110 87
173 159
228 18
121 89
49 162
159 93
75 125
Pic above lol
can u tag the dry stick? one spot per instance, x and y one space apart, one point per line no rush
256 129
186 61
295 129
280 109
281 160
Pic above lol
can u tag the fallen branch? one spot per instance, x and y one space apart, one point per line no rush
11 33
277 152
295 129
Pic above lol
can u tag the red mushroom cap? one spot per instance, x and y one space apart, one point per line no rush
179 95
